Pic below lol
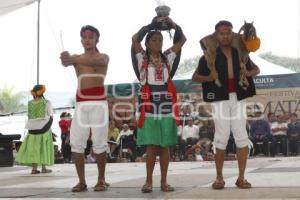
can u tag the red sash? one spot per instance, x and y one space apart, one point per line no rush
91 94
231 85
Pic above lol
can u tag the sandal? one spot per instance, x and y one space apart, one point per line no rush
35 171
167 188
146 188
100 186
46 171
80 187
243 184
217 185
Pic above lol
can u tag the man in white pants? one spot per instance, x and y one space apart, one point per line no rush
91 114
227 100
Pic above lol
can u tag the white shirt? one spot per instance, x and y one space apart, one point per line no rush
190 132
279 125
125 133
151 68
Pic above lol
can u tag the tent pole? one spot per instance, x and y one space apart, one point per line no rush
38 45
298 56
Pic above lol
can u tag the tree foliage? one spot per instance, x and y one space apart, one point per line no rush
188 65
11 102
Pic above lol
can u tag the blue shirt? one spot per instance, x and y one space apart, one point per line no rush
260 128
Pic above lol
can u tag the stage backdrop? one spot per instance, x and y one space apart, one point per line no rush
275 93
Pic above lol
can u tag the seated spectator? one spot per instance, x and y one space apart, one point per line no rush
203 114
185 114
260 132
113 134
126 141
279 135
190 135
65 125
293 134
206 135
231 146
193 153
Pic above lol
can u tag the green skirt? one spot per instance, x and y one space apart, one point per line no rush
158 131
36 149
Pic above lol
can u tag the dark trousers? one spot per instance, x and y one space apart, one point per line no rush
231 147
65 148
258 148
294 144
279 144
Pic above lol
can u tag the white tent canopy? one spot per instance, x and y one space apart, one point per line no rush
266 68
7 6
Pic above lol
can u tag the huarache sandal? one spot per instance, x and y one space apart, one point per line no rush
100 186
146 188
167 188
35 171
243 184
217 185
80 187
46 171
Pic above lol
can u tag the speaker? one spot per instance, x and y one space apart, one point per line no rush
6 153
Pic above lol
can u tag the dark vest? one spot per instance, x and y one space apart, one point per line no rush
211 92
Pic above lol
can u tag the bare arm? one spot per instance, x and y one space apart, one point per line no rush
178 45
100 60
136 44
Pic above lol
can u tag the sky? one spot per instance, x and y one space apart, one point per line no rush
277 23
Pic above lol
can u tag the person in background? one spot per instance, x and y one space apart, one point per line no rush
279 135
294 134
126 141
206 136
65 125
113 134
260 132
37 148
